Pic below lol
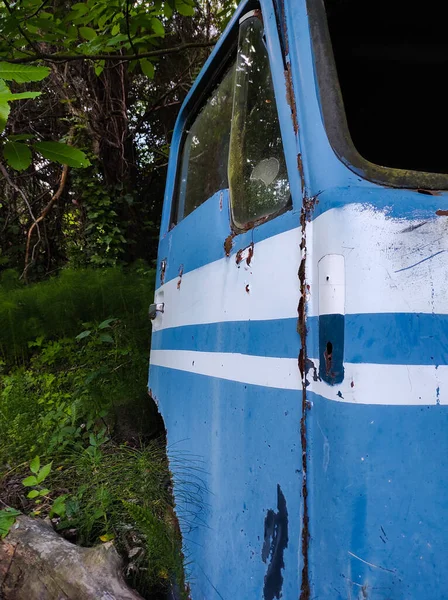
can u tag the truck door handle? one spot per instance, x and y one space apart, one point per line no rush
156 308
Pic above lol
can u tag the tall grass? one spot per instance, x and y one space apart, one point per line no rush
59 307
78 402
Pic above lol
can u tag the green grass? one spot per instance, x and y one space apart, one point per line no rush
73 392
59 306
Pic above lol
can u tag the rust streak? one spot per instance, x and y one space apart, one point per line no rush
307 209
429 192
181 272
228 244
442 213
290 99
300 167
250 253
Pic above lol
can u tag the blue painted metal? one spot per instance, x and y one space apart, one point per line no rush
375 474
407 338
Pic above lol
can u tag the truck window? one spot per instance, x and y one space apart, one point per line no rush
203 166
380 67
257 171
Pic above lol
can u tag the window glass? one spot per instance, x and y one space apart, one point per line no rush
206 150
257 171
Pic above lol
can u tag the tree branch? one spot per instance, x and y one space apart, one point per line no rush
123 57
131 43
40 218
21 31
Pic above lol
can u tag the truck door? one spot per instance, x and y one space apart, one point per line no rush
225 344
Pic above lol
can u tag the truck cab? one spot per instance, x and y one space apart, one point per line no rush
300 330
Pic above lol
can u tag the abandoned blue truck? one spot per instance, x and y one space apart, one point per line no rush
300 329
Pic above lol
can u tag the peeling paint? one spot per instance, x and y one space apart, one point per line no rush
442 213
301 172
228 244
301 328
162 271
290 98
245 254
181 272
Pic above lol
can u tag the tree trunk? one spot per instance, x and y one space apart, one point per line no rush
38 564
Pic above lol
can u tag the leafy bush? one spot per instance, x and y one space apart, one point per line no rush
67 390
75 356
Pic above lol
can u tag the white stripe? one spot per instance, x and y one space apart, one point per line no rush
375 248
391 265
218 291
280 373
398 385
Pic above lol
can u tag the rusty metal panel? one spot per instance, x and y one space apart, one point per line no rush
307 417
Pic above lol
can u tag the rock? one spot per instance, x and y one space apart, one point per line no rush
38 564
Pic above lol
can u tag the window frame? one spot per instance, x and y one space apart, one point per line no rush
217 64
335 120
202 101
209 77
288 205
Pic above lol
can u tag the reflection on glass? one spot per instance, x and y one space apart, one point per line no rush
257 171
206 150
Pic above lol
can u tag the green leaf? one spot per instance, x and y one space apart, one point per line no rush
184 9
8 96
121 37
167 11
80 8
105 338
35 465
7 520
115 29
63 154
17 155
157 27
22 73
83 335
87 33
72 32
99 67
44 492
44 472
32 494
29 481
58 507
106 323
4 114
147 68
